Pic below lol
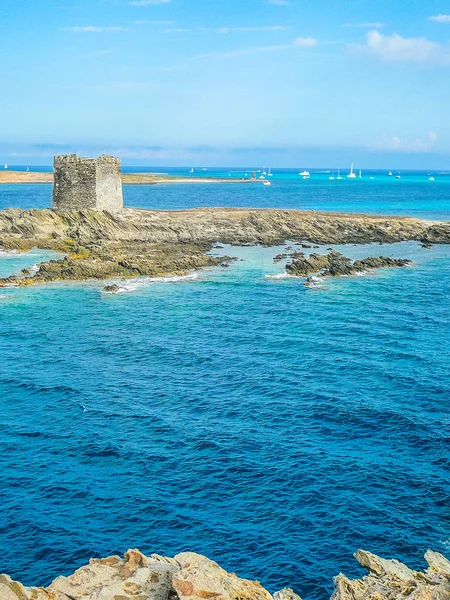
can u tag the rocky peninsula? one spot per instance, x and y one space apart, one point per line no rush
100 245
190 576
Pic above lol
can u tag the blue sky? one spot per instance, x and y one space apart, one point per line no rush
231 82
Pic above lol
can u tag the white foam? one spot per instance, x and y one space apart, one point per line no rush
34 269
278 276
136 284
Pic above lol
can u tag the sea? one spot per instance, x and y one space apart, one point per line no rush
234 412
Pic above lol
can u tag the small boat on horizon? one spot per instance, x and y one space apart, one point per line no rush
6 166
305 174
267 182
339 174
390 173
431 179
192 170
352 174
269 174
360 174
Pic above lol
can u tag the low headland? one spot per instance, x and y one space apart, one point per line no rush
191 576
101 245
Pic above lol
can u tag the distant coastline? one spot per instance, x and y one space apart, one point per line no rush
11 177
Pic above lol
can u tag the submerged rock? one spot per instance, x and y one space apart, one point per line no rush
335 264
111 289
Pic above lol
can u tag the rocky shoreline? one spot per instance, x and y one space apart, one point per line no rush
101 245
335 264
190 576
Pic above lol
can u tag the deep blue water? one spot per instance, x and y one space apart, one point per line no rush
274 428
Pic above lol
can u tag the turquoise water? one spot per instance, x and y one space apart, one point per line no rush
275 428
412 195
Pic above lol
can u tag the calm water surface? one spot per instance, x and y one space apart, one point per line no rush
274 428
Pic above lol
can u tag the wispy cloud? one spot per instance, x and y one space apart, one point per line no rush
367 25
100 52
226 30
395 48
148 2
396 144
245 51
251 29
305 42
92 29
278 2
114 86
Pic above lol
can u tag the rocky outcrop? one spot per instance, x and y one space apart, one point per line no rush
190 576
393 580
101 245
335 264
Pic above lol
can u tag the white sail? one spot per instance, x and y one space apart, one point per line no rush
351 175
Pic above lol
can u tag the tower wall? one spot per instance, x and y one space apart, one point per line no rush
87 183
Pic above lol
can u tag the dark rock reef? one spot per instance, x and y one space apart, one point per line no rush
101 245
335 264
190 576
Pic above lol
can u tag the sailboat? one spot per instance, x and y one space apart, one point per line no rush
351 175
192 170
339 174
264 171
331 178
6 166
269 173
305 174
360 174
390 173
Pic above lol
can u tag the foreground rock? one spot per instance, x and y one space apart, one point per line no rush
394 580
335 264
101 245
190 576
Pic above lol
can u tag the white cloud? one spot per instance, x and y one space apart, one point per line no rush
440 18
148 2
395 48
396 144
92 29
278 2
367 25
305 42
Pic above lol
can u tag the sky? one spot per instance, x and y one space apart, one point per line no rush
285 83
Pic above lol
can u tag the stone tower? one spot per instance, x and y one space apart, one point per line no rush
87 183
